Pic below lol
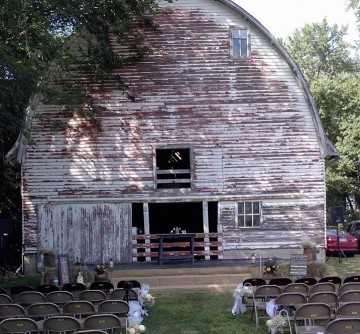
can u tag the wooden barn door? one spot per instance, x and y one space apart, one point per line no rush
93 233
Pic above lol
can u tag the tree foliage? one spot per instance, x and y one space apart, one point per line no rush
35 47
328 63
320 50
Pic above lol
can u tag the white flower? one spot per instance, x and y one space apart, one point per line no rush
276 322
135 328
148 300
269 323
243 291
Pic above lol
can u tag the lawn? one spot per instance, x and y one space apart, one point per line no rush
210 313
206 313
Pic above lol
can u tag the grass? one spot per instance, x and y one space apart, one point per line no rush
345 267
204 313
198 313
210 313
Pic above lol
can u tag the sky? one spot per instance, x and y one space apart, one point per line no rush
282 17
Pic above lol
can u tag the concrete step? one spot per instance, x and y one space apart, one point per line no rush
175 280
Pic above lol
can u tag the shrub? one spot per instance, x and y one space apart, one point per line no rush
85 271
315 269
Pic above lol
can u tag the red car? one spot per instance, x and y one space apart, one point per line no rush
348 243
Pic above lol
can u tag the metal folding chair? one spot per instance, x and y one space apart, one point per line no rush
103 286
12 311
18 325
59 297
280 281
310 318
79 309
322 287
108 322
343 326
61 324
124 294
93 296
261 296
120 308
5 299
349 296
40 311
27 298
348 310
307 280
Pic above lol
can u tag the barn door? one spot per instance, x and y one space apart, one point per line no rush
93 233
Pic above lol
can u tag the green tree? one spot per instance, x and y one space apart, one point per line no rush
40 41
333 75
320 50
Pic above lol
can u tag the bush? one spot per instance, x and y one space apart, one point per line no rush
314 269
49 274
85 271
317 269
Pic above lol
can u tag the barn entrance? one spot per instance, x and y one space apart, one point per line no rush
161 218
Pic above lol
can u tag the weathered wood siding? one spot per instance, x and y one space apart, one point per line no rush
248 122
91 233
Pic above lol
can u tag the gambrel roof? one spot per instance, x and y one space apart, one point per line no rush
328 151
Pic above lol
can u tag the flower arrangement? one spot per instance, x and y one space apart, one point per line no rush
307 243
148 299
135 328
100 269
276 322
243 291
270 267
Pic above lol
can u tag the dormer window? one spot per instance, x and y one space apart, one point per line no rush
240 43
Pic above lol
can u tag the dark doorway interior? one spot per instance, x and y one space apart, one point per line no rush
165 216
138 217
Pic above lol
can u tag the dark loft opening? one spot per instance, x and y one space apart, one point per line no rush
173 168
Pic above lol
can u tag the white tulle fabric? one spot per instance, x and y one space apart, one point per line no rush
239 307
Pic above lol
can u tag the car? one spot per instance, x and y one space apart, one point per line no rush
353 228
347 242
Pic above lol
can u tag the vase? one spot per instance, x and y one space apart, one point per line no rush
309 253
49 260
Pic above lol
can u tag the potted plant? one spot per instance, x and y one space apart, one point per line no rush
49 256
308 246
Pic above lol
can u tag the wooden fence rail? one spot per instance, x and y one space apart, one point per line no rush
145 247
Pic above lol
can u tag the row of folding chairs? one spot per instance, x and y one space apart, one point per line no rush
71 287
291 300
60 297
98 323
281 281
77 309
318 318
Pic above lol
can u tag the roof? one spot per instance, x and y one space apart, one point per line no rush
329 152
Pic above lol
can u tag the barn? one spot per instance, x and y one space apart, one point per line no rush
221 139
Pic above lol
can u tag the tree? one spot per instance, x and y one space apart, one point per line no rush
355 6
333 75
320 50
40 41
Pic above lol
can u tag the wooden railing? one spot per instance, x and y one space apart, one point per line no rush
145 246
